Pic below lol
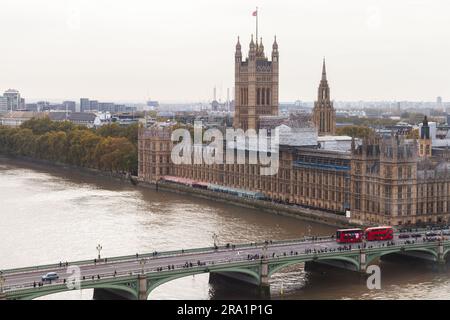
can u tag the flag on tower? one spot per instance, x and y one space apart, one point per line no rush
255 13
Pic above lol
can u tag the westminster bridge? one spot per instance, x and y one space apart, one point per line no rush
135 276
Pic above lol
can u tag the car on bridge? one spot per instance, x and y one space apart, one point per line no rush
50 276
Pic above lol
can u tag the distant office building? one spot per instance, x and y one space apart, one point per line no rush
153 104
439 105
93 105
31 107
43 106
85 105
106 107
69 106
3 104
13 100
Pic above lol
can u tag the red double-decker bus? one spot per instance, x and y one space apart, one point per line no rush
379 233
349 235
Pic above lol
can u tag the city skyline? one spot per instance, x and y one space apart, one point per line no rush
374 51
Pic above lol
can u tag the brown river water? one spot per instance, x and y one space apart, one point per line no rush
49 215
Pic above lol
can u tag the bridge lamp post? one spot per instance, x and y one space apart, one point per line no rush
2 281
215 237
99 248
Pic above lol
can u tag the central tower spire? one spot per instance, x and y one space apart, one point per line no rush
324 114
324 71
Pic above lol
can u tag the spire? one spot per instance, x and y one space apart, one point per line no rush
275 44
324 71
261 47
252 45
238 53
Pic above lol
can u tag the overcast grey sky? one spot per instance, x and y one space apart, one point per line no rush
177 50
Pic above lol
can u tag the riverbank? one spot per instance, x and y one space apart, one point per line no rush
292 211
45 164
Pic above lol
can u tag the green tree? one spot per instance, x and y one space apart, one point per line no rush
355 131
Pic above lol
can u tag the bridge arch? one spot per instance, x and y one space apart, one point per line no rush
446 251
160 281
374 256
281 266
50 291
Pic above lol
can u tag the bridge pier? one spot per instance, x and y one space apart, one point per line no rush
362 261
264 285
142 287
264 273
441 257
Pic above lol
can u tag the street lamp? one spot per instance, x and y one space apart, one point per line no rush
99 248
2 281
215 239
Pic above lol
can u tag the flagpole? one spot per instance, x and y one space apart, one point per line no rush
256 24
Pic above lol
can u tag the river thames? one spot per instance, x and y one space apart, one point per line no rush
49 215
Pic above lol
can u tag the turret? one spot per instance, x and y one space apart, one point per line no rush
252 51
238 54
275 50
260 48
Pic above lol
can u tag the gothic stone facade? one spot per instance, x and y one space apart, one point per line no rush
256 85
381 181
391 184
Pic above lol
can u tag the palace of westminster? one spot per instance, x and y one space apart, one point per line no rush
380 180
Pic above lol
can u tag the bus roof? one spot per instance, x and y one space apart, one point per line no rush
377 228
354 229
